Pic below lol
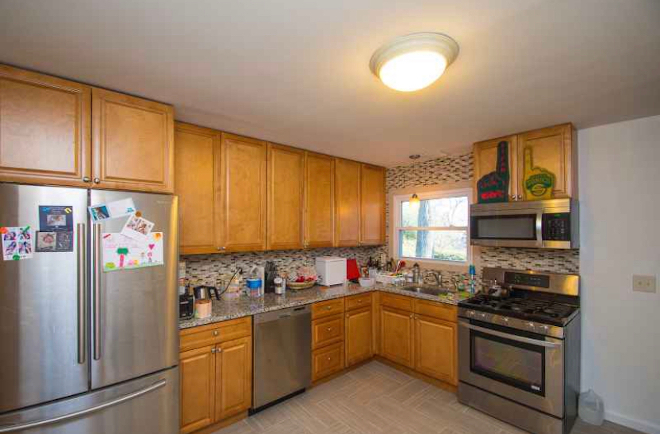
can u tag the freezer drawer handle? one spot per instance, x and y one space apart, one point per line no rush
510 336
75 414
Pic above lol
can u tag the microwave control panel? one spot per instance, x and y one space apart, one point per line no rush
557 227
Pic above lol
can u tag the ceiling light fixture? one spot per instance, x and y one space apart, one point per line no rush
413 62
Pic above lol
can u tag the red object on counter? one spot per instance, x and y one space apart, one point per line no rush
352 271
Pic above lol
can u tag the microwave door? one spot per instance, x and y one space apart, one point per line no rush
522 228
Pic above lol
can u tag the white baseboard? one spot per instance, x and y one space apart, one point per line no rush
639 425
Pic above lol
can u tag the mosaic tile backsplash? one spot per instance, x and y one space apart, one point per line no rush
204 269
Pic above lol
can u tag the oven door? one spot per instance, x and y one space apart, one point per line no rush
524 367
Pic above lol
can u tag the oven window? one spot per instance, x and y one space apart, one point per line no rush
509 227
517 364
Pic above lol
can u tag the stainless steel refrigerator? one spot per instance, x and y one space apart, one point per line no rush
83 350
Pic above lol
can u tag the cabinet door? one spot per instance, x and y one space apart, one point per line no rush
435 348
372 205
485 162
44 129
286 181
359 336
396 334
243 193
197 175
133 143
234 378
319 200
347 202
552 150
197 370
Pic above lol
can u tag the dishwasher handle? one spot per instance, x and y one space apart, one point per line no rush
282 314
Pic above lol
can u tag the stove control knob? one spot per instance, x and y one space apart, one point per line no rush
471 313
531 326
483 315
545 328
505 320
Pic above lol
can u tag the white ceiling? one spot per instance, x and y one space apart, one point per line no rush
297 71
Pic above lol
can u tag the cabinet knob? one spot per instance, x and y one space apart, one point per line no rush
86 179
411 315
97 181
216 333
329 329
329 358
328 307
359 301
520 197
513 197
212 350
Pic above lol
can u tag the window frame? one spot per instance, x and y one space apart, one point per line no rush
398 199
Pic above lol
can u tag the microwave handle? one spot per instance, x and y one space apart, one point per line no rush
510 336
539 228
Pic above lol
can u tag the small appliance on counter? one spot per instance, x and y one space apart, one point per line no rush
270 272
186 306
331 270
204 291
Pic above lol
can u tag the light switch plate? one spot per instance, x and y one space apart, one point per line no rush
643 283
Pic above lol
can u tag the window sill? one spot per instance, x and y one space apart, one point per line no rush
458 267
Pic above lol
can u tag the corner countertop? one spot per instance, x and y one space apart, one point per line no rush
245 306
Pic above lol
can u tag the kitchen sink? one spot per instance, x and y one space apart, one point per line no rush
426 289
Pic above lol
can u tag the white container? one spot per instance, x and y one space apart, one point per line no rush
331 270
591 408
367 282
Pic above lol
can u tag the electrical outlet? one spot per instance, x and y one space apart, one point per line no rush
643 283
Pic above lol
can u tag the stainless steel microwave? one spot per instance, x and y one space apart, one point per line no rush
543 224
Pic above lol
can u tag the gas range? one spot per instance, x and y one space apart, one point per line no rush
539 303
519 354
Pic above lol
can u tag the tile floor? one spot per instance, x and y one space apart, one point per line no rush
377 399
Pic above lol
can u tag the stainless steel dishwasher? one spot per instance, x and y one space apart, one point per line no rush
282 355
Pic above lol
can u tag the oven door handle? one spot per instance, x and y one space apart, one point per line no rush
510 336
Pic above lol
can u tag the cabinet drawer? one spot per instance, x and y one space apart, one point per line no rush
357 301
326 308
215 333
327 330
327 360
397 302
437 310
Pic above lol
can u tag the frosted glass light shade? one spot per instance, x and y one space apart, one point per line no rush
414 61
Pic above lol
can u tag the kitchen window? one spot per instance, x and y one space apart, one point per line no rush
436 229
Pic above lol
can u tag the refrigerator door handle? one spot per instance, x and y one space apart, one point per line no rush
75 414
96 277
82 290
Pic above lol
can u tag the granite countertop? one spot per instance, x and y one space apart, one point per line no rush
246 306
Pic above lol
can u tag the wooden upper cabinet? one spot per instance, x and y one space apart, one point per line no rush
244 200
44 129
372 205
319 200
347 202
286 181
436 352
197 383
551 150
197 183
485 162
133 143
233 378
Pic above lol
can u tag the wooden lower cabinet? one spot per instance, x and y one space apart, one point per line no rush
359 335
233 369
435 348
397 334
327 360
216 373
197 383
